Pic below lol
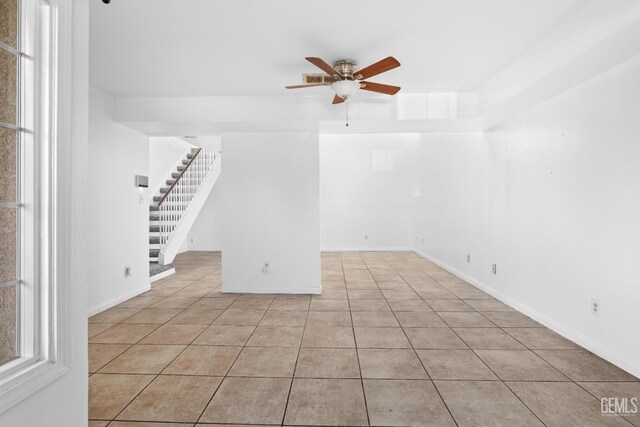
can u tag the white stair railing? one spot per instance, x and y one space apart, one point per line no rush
175 201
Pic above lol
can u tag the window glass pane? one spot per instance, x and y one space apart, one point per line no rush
8 330
8 76
9 22
7 165
8 247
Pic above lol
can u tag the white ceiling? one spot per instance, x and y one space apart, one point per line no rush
255 47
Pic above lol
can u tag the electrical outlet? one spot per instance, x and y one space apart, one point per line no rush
266 267
191 240
468 259
494 269
366 237
595 307
127 271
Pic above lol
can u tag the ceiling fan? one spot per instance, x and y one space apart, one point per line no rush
347 78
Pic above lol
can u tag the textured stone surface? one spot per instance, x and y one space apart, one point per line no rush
7 323
7 244
7 165
9 22
8 71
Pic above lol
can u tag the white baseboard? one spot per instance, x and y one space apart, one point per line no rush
99 308
369 249
572 335
162 275
271 290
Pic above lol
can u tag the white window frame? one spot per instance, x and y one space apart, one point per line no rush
44 152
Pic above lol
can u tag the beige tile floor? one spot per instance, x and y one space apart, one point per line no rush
393 341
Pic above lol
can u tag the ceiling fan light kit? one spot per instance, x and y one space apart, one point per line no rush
345 88
348 78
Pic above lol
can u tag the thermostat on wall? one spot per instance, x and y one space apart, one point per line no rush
142 181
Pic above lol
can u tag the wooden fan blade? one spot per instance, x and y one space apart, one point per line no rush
323 66
380 88
309 85
337 100
379 67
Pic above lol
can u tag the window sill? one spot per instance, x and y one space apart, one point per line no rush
28 378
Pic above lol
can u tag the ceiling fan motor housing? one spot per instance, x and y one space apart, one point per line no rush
346 67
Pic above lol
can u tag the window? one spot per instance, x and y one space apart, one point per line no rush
28 314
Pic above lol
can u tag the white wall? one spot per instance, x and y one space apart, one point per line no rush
206 232
367 186
119 223
552 198
269 197
211 143
368 183
164 155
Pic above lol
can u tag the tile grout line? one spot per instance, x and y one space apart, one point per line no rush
412 346
526 348
355 342
236 358
295 366
157 375
597 399
142 309
482 360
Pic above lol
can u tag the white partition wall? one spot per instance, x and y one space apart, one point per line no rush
368 184
269 193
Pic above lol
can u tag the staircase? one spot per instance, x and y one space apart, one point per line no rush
177 204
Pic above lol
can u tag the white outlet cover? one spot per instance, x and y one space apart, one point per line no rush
595 307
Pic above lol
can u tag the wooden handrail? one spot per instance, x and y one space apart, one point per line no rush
179 177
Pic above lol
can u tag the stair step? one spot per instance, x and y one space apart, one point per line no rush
167 212
164 190
154 253
157 198
180 168
171 205
154 217
156 229
170 182
184 162
154 208
154 240
190 155
194 149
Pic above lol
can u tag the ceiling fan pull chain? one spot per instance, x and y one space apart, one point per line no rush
346 104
